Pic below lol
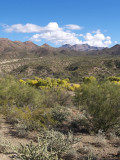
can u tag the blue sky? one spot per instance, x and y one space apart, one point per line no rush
57 22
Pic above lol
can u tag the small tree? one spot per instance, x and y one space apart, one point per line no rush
102 102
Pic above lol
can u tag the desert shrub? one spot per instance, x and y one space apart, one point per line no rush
80 123
21 129
89 79
55 96
13 93
24 95
100 139
24 105
50 83
59 113
42 118
30 119
35 152
58 142
102 102
5 145
51 145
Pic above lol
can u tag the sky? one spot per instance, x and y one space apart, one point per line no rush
59 22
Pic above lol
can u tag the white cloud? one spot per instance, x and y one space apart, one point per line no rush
58 37
31 28
61 35
73 27
97 39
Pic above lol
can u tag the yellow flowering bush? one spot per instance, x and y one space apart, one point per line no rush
22 81
116 82
89 79
113 78
50 83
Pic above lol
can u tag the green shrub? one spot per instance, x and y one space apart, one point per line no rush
13 93
89 79
102 102
30 119
59 114
55 96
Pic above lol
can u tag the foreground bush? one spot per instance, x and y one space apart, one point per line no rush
51 145
102 102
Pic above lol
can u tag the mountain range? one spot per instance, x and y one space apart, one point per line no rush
81 47
17 49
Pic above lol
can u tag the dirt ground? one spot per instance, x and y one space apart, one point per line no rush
103 149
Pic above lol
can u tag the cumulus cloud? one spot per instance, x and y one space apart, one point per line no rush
60 35
97 39
73 27
31 28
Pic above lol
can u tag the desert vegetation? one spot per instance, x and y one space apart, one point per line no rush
60 114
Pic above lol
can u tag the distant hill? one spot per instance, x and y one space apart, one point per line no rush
113 51
7 45
81 47
16 49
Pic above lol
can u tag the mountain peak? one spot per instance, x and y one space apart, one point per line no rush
45 45
28 42
30 45
66 46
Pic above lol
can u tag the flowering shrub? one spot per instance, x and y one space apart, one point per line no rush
113 78
50 82
89 79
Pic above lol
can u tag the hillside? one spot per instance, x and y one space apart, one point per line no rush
74 68
25 59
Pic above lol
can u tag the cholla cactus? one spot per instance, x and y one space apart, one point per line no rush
35 152
52 145
58 142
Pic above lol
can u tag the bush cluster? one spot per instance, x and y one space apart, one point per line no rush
102 102
50 83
